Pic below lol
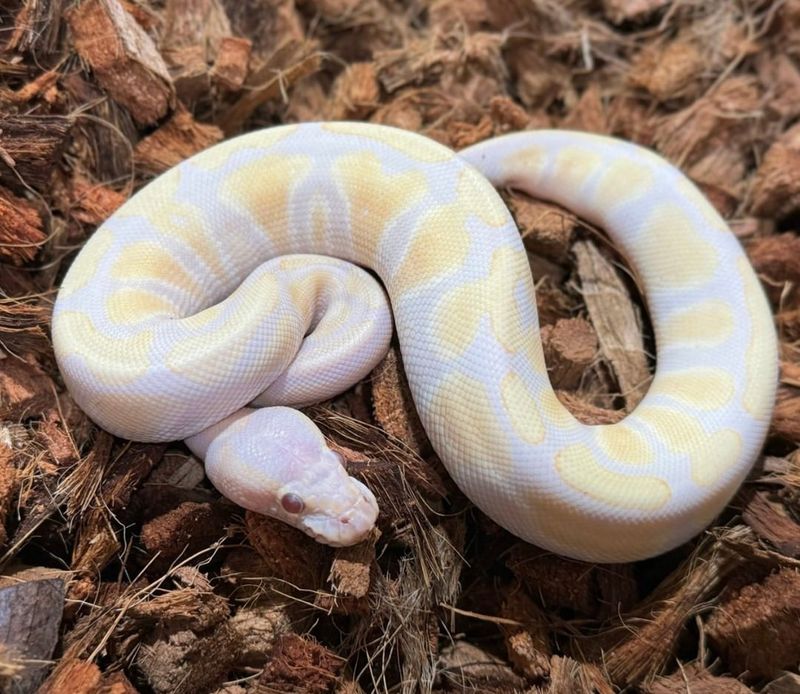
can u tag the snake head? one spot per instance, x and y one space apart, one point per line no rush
276 462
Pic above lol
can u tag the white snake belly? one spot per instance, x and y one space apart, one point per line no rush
152 349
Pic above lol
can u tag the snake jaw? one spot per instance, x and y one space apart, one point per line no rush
347 526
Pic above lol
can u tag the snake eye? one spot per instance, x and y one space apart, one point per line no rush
292 503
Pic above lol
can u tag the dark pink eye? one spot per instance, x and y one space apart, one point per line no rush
292 503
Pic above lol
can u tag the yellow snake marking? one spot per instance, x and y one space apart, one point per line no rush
439 246
84 267
574 165
176 219
147 260
362 174
623 179
760 356
475 196
579 469
678 430
691 260
693 197
458 319
232 335
217 157
202 318
102 353
528 162
705 388
400 140
130 305
620 442
718 454
554 411
268 205
522 409
707 323
468 423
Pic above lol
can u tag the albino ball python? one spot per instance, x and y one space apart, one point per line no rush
190 302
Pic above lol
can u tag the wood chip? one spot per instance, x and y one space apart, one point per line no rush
123 58
616 321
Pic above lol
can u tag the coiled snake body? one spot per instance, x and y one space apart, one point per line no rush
191 302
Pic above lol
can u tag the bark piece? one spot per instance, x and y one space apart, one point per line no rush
755 629
570 347
528 645
696 679
616 321
288 553
300 665
356 92
465 667
259 627
546 229
123 58
31 605
30 147
230 67
9 485
772 521
73 676
619 11
670 71
178 139
25 390
350 577
183 531
394 407
776 187
21 232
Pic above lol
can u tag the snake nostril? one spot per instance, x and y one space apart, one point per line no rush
344 521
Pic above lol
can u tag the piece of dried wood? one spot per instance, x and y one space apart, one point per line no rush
616 322
546 229
755 629
31 605
178 139
30 145
299 664
231 65
21 232
570 347
123 58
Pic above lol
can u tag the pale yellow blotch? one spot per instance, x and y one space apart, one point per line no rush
761 356
293 262
175 219
476 195
717 456
319 222
203 318
528 162
458 319
147 260
671 252
703 388
219 155
439 247
694 197
413 146
84 267
623 444
113 361
679 430
574 166
623 179
470 428
263 187
706 323
509 267
578 467
554 411
129 305
522 409
375 198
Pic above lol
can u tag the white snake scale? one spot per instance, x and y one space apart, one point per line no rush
189 303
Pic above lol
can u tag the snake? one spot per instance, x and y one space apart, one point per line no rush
273 269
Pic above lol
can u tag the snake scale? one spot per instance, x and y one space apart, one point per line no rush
232 288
